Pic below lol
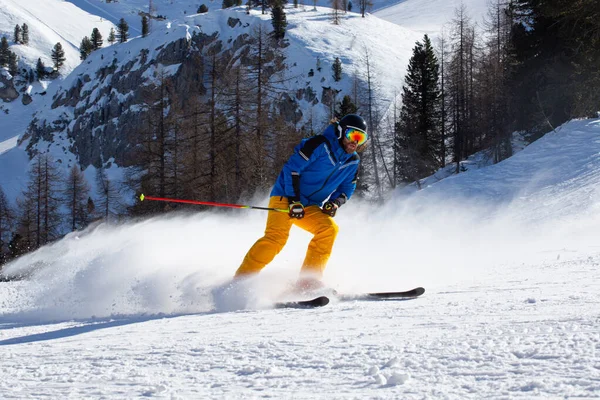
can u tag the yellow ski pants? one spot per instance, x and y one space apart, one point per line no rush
321 225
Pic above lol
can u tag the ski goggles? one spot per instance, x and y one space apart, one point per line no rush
356 135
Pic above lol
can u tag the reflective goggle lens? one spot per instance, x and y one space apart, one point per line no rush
355 135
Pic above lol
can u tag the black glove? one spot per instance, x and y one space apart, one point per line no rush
296 210
330 207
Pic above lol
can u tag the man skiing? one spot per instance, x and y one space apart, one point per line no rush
316 180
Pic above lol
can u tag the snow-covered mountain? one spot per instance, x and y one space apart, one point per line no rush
313 41
510 309
103 94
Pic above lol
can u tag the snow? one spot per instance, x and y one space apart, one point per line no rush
508 254
429 16
49 22
513 282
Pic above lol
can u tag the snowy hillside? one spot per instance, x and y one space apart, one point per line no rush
314 42
510 308
49 22
429 16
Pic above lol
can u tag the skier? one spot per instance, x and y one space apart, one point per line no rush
316 180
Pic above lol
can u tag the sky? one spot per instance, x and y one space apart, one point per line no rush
508 255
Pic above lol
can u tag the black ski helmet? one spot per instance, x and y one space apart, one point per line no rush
351 121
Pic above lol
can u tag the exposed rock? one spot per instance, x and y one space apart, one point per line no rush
26 99
101 114
232 22
8 92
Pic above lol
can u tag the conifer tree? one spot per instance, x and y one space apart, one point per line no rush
337 7
17 38
6 221
112 37
4 49
40 69
364 5
145 26
17 246
122 30
417 137
24 238
85 48
337 69
13 66
96 39
25 34
278 20
345 107
58 56
41 200
108 194
76 195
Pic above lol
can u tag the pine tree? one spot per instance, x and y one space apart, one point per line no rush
17 246
4 49
13 66
17 38
112 37
278 20
337 69
85 48
145 26
76 195
40 69
58 56
6 222
122 30
25 34
96 39
417 136
345 107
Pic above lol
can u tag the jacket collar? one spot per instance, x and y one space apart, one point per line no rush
331 134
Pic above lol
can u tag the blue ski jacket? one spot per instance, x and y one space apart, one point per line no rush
319 169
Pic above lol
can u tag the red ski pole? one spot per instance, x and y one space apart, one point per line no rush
210 203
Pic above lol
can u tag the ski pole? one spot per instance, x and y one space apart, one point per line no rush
210 203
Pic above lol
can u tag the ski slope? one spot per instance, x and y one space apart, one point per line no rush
508 253
49 22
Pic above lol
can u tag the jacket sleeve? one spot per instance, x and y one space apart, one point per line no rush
347 188
304 154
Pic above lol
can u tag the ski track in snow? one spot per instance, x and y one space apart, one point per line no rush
537 336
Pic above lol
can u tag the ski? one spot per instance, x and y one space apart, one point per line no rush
416 292
405 295
313 303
